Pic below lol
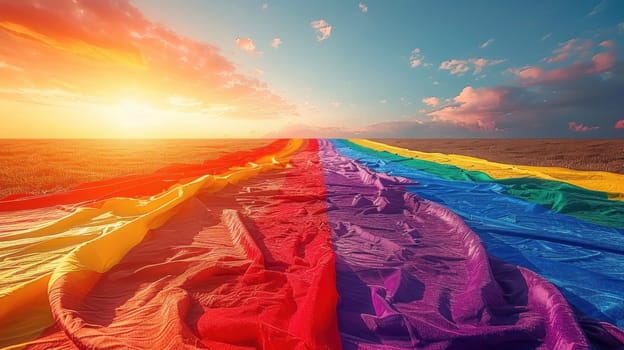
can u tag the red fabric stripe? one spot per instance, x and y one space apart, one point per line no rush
138 185
249 267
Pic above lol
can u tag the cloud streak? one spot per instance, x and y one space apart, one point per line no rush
599 63
487 43
322 28
598 8
460 67
4 65
576 127
569 49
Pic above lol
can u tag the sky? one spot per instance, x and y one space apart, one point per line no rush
327 68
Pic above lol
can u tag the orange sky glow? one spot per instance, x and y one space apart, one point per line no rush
235 68
110 72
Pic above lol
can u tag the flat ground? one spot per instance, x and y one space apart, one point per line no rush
44 166
603 155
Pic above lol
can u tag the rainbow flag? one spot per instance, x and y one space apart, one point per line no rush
319 244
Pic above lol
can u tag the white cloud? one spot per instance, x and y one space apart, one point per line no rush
460 67
265 6
363 7
487 43
598 8
323 29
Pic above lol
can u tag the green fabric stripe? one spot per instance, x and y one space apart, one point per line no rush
587 205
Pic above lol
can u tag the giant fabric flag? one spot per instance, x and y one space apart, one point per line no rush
319 244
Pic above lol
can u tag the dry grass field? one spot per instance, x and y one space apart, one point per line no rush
44 166
580 154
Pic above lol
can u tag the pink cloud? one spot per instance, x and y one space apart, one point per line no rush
480 63
108 49
568 45
247 44
416 58
603 62
476 99
599 63
323 29
571 48
580 127
608 44
275 43
560 57
619 124
473 109
586 45
431 101
460 67
529 73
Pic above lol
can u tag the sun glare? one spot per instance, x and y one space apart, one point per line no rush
135 118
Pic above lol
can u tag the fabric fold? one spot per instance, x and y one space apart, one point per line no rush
610 183
234 269
583 260
411 273
88 242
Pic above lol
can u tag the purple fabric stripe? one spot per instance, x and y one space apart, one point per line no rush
410 273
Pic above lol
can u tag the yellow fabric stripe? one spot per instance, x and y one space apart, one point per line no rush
92 239
610 183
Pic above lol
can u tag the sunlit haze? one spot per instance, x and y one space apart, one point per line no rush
200 69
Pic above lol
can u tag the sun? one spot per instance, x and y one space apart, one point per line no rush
134 118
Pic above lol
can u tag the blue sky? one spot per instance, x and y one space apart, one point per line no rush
381 68
361 73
